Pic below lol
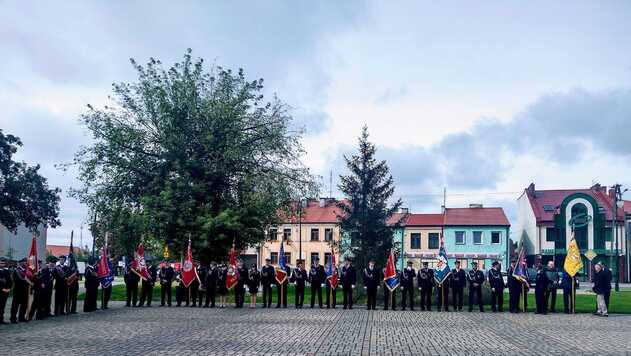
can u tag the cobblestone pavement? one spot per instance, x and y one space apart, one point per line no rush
159 331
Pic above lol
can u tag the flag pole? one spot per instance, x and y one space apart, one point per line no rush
573 296
523 293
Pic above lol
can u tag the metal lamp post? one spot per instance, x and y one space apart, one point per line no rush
618 203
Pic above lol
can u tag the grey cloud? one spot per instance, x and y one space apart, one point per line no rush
557 126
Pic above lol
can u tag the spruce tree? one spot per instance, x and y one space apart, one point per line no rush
367 211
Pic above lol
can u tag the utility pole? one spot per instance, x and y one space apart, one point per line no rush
331 184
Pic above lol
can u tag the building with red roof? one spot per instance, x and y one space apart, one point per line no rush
546 218
477 234
307 232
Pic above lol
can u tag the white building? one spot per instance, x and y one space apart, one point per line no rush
17 246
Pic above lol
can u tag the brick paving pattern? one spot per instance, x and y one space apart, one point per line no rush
161 331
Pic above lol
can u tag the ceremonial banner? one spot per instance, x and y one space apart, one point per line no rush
233 274
71 263
521 271
331 271
390 276
573 262
32 262
104 268
139 266
189 272
281 274
442 270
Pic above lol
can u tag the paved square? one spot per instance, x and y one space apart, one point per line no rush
183 330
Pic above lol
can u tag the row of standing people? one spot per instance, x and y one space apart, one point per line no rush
54 290
211 283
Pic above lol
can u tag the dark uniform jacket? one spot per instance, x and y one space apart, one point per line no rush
458 278
407 278
496 281
243 276
299 276
553 277
131 278
317 275
167 274
211 278
348 276
153 272
425 278
372 277
602 283
475 277
541 280
91 279
268 275
202 271
254 279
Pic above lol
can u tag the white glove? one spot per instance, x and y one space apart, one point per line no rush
365 287
353 286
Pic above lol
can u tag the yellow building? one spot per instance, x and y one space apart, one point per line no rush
305 238
421 238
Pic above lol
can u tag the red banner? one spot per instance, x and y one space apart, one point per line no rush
233 273
138 265
189 273
32 262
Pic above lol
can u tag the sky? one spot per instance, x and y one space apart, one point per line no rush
478 98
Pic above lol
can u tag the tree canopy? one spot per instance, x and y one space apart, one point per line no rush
186 151
25 197
367 214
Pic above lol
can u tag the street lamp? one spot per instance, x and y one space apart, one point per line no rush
618 203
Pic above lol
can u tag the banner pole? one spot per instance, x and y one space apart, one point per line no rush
523 293
573 301
29 303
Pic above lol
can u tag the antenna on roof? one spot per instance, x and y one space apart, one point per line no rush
444 199
331 184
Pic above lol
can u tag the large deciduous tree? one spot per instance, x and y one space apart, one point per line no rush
367 216
25 197
186 151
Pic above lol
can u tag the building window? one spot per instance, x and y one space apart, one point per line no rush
464 263
551 234
608 234
286 234
480 262
477 237
274 257
495 237
314 255
327 258
461 238
328 234
415 241
273 234
315 234
287 258
432 241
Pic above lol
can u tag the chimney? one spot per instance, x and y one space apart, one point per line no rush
612 193
322 202
476 206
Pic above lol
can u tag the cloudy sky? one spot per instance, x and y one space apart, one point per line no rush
480 98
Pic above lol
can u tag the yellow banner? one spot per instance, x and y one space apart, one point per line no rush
573 262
